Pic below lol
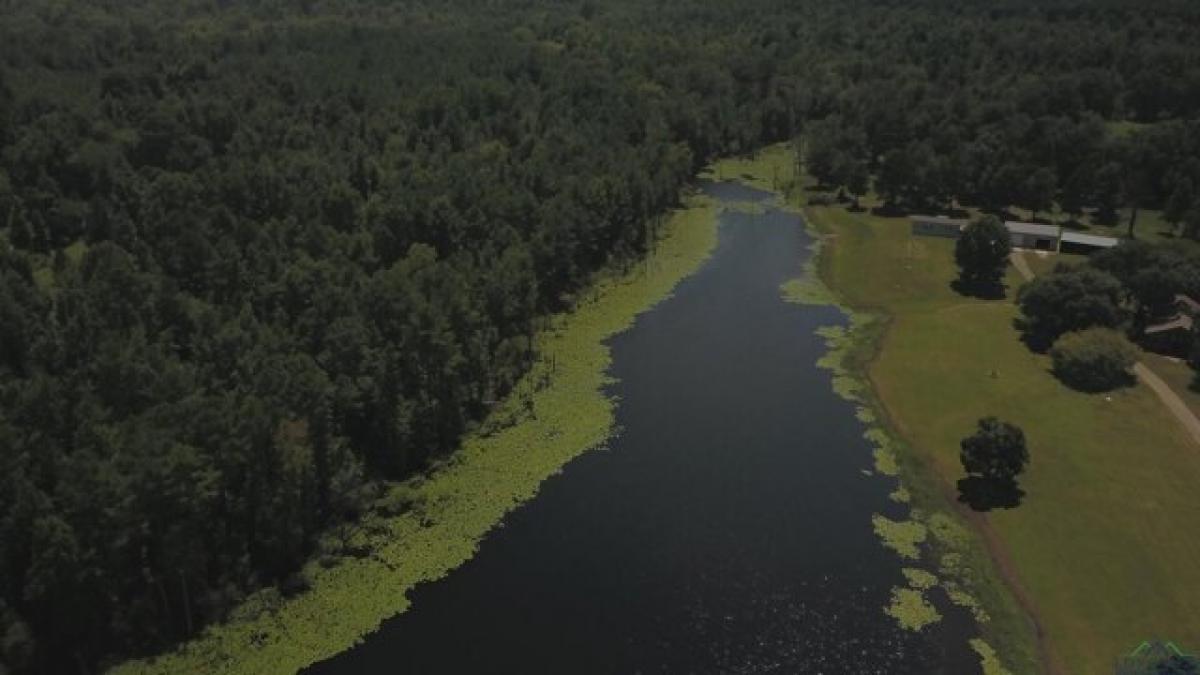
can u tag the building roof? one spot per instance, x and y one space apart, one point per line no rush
1089 239
1036 229
1186 302
1181 322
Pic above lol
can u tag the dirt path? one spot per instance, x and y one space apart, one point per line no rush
1169 398
1018 260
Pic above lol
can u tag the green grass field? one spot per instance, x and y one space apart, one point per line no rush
1150 226
1104 540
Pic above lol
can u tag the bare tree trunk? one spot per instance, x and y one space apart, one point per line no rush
187 601
162 596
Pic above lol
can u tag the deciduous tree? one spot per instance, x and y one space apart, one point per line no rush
996 451
1069 300
982 253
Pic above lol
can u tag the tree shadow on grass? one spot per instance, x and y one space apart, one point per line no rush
984 494
1037 341
980 290
1090 383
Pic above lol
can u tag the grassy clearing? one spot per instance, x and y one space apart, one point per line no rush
1150 226
458 503
772 169
1101 540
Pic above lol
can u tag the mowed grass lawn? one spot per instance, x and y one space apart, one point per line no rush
1107 538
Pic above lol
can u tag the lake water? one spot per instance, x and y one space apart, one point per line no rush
726 529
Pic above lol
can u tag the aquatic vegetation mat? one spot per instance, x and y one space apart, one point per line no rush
557 412
933 539
911 610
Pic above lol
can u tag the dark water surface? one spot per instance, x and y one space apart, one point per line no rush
727 529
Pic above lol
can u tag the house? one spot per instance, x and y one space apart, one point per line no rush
1173 336
1084 244
937 226
1034 235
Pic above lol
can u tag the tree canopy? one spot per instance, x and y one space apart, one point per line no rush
1070 299
996 451
981 253
258 257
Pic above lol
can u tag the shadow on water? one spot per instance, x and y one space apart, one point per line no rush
727 529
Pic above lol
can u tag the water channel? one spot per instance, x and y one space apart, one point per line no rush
726 529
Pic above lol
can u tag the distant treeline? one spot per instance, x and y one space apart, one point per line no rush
257 256
1091 111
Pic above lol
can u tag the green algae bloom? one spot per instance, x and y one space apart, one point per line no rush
919 579
911 610
529 437
902 536
988 658
802 292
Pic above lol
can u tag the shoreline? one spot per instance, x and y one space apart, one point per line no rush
456 503
1048 660
939 528
939 535
930 495
557 412
1071 575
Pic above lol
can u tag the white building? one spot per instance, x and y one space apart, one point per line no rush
1034 235
1078 242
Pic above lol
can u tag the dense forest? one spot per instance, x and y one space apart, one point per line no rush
258 257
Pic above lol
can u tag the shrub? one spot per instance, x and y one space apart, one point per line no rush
1096 359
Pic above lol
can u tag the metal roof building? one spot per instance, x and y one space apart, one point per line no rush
1034 235
937 226
1078 242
